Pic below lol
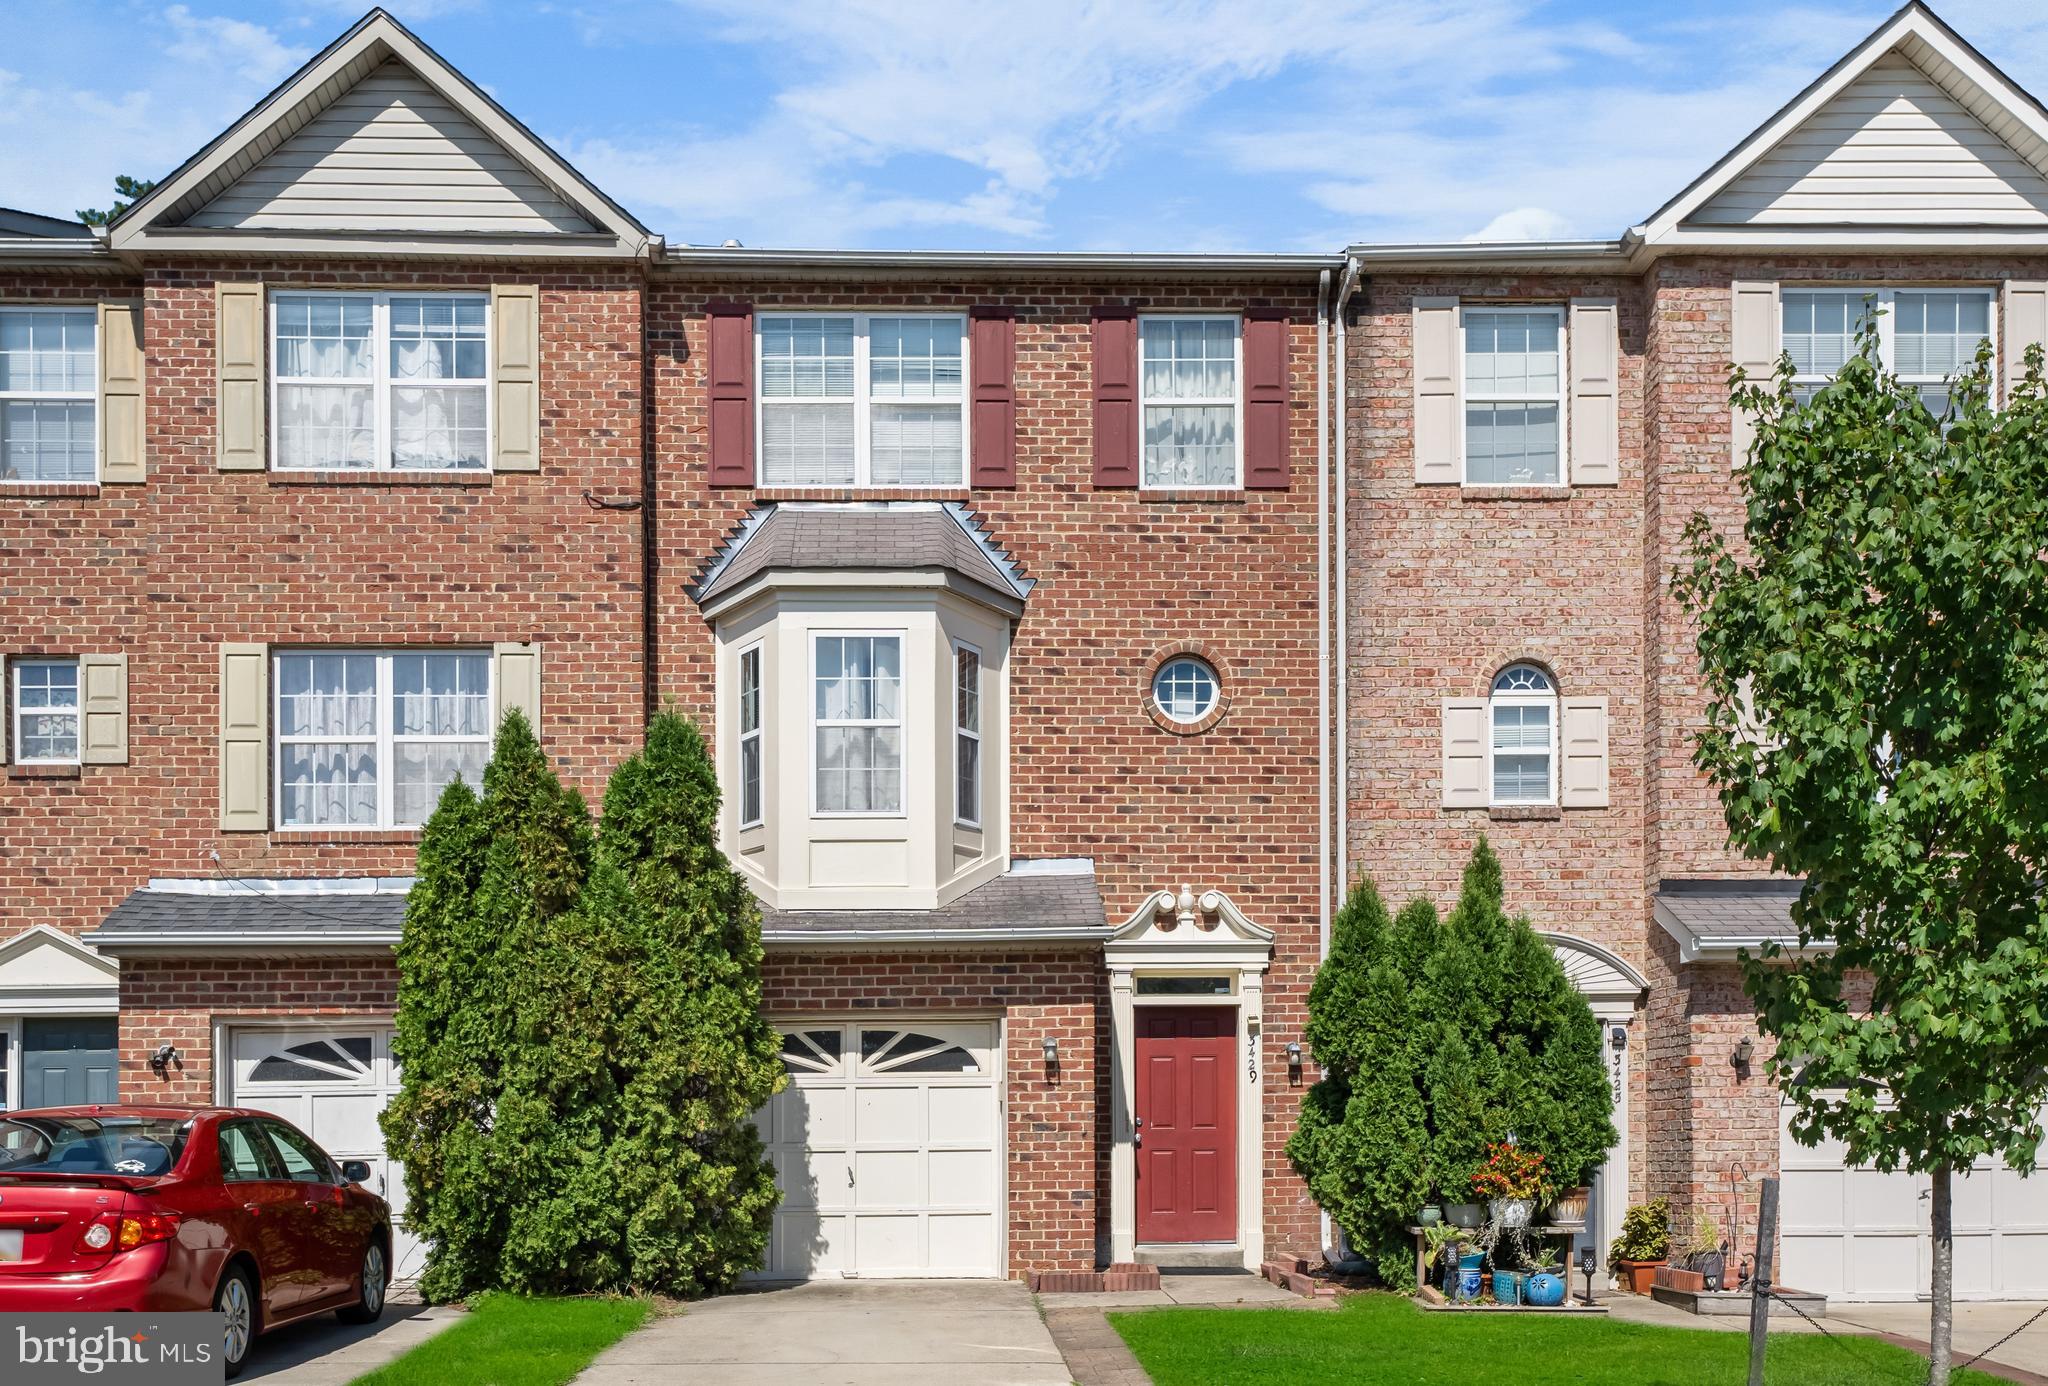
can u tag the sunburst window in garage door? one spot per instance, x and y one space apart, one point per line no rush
343 1060
812 1051
907 1051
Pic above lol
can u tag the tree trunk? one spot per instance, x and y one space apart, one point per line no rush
1942 1319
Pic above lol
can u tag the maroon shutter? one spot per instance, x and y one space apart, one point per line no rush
729 391
992 350
1116 396
1265 399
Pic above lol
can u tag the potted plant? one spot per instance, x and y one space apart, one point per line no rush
1568 1209
1512 1181
1467 1215
1704 1253
1644 1244
1428 1215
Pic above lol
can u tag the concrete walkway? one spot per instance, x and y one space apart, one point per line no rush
845 1333
327 1352
1097 1356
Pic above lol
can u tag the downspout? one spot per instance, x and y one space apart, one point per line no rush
1323 606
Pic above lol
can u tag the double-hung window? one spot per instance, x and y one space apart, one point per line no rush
369 739
967 735
49 394
858 720
1522 736
856 399
1514 396
1924 336
46 711
1188 395
380 382
750 737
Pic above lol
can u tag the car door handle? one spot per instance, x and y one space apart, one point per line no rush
256 1208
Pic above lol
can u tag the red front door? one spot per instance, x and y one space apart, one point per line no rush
1187 1145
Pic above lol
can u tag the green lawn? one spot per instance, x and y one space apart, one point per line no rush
1375 1339
505 1340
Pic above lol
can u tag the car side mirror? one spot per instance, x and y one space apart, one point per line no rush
355 1171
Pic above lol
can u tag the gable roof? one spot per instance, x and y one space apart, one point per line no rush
378 142
1913 87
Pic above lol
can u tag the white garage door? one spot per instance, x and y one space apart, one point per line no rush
331 1083
1853 1233
887 1145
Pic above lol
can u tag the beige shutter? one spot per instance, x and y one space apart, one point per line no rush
239 346
515 377
1595 433
515 674
2026 324
1753 342
1582 740
1464 753
1439 417
121 436
103 705
244 738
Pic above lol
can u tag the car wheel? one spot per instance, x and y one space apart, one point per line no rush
371 1281
235 1301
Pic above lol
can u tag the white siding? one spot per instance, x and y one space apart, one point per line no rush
389 154
1892 148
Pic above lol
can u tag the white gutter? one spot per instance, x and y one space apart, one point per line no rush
242 938
1323 729
740 257
791 937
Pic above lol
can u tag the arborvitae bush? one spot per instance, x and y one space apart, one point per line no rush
1438 1039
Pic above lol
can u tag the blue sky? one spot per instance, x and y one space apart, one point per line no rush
1050 124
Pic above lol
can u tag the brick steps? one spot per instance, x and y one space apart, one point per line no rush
1124 1275
1291 1273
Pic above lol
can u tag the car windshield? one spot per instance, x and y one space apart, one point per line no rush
130 1145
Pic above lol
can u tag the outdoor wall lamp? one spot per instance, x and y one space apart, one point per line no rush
1617 1037
1052 1053
165 1058
1745 1050
1294 1059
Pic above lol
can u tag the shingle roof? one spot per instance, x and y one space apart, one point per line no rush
1048 898
1727 912
15 222
898 535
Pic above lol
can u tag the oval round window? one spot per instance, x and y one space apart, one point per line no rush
1185 689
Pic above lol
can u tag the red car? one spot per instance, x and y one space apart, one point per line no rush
169 1208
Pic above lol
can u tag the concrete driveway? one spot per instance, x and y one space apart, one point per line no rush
845 1333
327 1352
1978 1326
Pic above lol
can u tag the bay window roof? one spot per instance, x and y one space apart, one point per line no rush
870 537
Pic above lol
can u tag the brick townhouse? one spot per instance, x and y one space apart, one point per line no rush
1002 583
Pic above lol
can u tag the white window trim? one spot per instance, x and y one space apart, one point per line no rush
1235 401
901 721
90 396
1562 398
758 735
383 740
1215 687
10 1070
14 668
380 381
1549 700
1883 297
961 647
863 400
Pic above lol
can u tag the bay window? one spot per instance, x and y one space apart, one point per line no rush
858 723
49 394
389 382
967 735
369 739
855 399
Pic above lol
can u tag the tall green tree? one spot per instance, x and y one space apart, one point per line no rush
126 191
494 873
1874 653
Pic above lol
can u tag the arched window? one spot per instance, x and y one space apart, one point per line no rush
1522 736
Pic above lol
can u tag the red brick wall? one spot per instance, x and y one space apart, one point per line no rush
1058 1175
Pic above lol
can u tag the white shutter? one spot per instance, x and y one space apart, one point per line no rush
1753 343
2026 324
1439 412
122 440
515 377
103 709
1464 733
240 348
244 738
1595 433
515 679
1582 739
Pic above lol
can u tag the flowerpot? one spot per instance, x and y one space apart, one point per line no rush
1513 1212
1640 1275
1468 1286
1464 1214
1429 1215
1570 1208
1507 1286
1544 1290
1471 1260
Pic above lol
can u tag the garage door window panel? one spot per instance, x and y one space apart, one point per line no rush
907 1051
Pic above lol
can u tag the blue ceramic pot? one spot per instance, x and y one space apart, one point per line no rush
1545 1290
1472 1261
1468 1286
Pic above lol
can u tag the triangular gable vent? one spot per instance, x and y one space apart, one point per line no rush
390 154
1893 147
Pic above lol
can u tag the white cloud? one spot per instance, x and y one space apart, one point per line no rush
1525 224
